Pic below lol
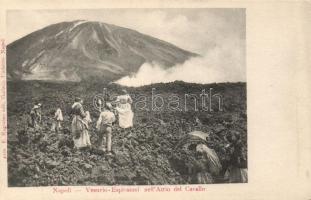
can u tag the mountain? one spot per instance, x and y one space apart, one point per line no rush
85 50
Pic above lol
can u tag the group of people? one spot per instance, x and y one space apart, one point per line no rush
207 162
81 120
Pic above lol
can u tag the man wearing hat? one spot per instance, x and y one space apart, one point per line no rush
104 127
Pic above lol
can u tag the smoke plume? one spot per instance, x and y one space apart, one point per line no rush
223 63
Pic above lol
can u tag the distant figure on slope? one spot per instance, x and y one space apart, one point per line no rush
124 110
104 127
35 115
58 118
79 125
237 170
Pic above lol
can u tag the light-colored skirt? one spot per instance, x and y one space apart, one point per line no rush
83 141
77 126
125 115
80 132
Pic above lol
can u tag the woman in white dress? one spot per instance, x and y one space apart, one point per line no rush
125 113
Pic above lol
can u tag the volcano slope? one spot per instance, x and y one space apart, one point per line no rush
87 50
144 155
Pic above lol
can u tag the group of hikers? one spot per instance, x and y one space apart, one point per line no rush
207 161
81 120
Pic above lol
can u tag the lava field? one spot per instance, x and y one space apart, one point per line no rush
143 155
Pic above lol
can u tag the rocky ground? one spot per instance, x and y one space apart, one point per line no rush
145 154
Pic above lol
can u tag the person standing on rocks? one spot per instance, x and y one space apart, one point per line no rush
124 110
39 112
58 118
104 127
79 126
35 115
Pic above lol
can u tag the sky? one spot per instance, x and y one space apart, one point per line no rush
206 31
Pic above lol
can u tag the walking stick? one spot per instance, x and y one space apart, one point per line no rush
100 105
